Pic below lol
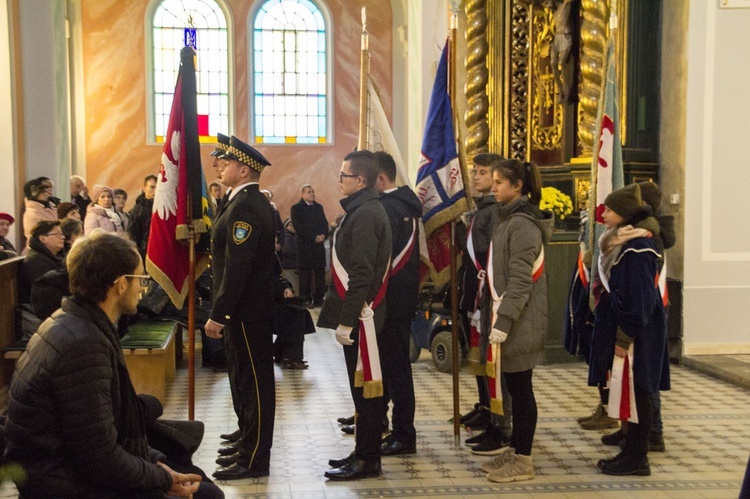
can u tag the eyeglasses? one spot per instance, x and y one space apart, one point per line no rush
343 175
144 280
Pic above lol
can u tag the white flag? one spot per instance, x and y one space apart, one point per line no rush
379 134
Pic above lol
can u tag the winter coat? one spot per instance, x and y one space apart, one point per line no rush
309 221
403 209
520 232
140 222
34 213
634 307
38 262
65 413
48 291
96 217
363 245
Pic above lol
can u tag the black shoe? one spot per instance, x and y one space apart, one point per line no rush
478 438
295 365
493 444
466 417
480 421
627 466
235 435
348 429
346 421
610 460
354 470
229 460
338 463
614 438
392 447
656 442
229 449
237 472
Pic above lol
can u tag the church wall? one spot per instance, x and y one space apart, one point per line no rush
118 152
717 242
8 200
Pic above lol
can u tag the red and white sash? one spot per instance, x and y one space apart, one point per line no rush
661 281
494 371
474 355
403 257
368 375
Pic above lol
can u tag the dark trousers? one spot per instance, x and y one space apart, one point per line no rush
524 410
636 439
249 349
398 384
305 283
369 412
289 348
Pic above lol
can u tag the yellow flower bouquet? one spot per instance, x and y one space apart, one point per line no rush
557 202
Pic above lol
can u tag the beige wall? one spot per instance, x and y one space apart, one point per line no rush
117 150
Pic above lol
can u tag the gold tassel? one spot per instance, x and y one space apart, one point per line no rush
474 366
373 389
490 369
359 379
496 406
182 232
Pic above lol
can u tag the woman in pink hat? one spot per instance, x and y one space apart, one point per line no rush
6 220
101 212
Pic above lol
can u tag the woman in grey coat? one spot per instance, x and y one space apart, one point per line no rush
519 308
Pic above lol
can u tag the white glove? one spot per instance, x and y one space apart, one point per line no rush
343 335
476 320
497 336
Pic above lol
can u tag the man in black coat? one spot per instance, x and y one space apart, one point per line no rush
311 225
46 243
140 216
404 209
242 250
79 194
74 423
355 307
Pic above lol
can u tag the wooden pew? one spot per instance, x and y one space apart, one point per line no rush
150 353
9 278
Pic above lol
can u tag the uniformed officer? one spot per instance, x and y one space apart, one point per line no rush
243 274
359 265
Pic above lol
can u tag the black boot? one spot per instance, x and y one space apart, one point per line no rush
627 465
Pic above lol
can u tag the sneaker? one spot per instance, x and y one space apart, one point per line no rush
466 417
656 442
492 445
478 439
584 418
600 420
615 438
498 461
481 419
516 469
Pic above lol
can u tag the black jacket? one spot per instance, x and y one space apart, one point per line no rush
403 209
38 262
481 235
309 221
82 204
48 291
243 256
363 245
140 222
65 414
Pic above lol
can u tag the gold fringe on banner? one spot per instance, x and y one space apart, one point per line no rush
359 379
496 406
489 369
372 389
475 366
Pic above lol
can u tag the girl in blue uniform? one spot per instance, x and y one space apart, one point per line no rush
629 310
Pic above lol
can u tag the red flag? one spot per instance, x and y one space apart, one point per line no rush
180 200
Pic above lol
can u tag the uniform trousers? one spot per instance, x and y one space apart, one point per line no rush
305 283
369 411
249 349
398 384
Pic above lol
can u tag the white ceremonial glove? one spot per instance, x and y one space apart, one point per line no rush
476 320
497 336
344 335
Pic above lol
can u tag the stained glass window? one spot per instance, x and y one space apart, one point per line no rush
289 74
172 19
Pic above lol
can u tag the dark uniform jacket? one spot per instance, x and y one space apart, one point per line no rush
66 413
309 221
481 234
140 222
403 208
363 245
243 255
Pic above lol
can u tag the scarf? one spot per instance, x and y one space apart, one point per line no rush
130 423
112 214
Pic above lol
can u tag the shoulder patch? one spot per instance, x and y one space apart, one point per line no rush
241 231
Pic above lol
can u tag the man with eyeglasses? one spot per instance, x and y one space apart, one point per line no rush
354 307
75 423
45 245
243 255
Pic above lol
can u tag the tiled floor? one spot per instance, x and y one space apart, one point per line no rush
707 437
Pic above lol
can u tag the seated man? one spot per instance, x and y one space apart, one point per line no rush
46 244
74 422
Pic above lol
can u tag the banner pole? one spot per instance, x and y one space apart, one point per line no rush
191 328
364 71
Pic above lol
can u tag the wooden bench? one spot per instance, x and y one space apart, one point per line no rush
9 279
149 350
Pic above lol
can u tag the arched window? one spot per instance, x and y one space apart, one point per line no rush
289 74
171 28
